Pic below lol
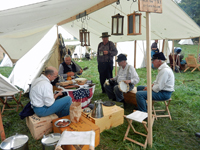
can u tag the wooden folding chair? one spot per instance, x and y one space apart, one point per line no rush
134 117
192 63
9 97
166 102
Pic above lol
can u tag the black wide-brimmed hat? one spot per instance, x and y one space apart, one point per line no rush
159 56
104 34
121 57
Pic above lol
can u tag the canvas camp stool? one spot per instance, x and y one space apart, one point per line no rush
77 138
166 102
137 116
8 97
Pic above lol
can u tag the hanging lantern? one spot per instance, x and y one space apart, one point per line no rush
117 24
134 24
84 37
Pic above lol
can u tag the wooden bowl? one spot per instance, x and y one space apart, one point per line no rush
81 81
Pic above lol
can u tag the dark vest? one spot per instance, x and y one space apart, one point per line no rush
67 69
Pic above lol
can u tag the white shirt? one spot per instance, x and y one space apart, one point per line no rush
122 74
164 79
41 92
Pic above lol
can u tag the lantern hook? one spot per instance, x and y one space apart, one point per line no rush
116 6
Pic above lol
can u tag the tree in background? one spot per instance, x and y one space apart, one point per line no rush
192 8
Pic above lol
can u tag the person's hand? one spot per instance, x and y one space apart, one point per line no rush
145 89
60 93
127 81
69 74
81 71
111 79
105 52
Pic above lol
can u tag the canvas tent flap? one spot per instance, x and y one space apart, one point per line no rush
6 88
6 62
23 27
30 66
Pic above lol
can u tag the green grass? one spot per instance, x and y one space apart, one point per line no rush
177 134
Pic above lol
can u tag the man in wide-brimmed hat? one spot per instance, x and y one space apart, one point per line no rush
105 52
162 87
127 74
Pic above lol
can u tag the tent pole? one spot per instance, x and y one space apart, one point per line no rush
173 55
198 51
163 45
57 35
2 132
6 53
115 62
149 87
135 54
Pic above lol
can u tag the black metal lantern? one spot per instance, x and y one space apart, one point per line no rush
117 24
134 24
84 37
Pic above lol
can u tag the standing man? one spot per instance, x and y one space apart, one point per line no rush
105 52
127 74
162 87
43 101
154 50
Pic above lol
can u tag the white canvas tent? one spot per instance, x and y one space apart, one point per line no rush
25 26
6 62
186 42
6 88
80 51
128 48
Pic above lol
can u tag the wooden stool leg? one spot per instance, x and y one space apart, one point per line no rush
154 111
167 109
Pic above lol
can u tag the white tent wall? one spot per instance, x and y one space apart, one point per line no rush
80 51
6 62
128 48
31 65
186 42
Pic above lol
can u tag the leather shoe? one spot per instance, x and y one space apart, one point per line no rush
197 135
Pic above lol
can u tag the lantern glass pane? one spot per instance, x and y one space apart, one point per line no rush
137 23
86 38
120 26
114 25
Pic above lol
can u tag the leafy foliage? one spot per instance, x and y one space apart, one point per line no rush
192 8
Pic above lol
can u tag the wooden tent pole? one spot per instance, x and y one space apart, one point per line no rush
198 51
135 54
163 45
2 132
173 55
149 87
115 62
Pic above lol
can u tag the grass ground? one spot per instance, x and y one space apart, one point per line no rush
177 134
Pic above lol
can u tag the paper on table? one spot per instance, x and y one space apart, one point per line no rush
77 137
138 116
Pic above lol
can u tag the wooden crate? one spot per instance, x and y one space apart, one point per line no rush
39 126
130 97
113 117
83 125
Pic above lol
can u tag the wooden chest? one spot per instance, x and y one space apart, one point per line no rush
130 97
39 126
83 125
113 117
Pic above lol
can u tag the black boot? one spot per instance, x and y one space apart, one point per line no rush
197 134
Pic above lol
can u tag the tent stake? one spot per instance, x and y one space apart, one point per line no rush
149 88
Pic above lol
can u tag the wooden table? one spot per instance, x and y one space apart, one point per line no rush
83 125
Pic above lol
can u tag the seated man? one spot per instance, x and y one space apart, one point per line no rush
42 98
162 87
178 58
69 68
125 73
